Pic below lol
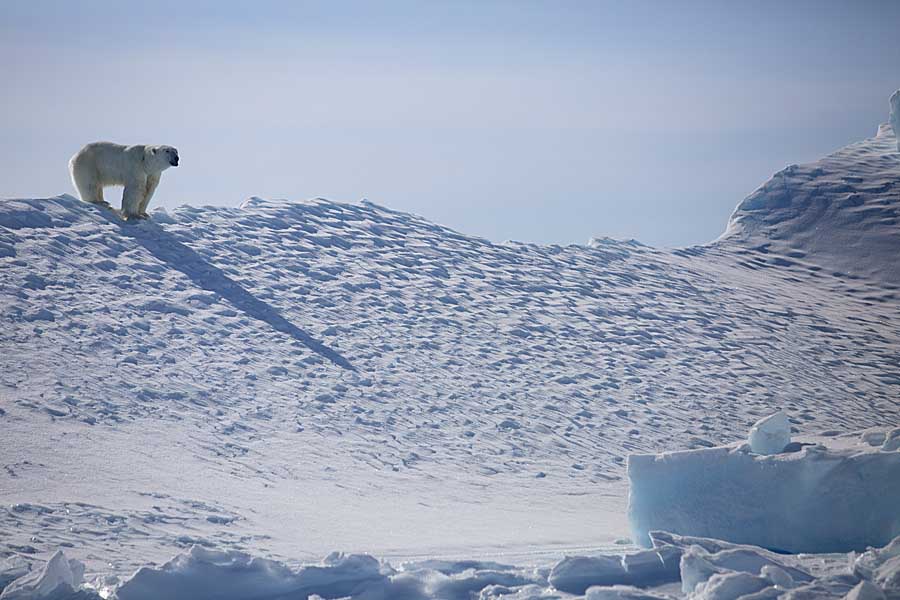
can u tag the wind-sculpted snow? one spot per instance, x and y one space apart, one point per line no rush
839 215
330 375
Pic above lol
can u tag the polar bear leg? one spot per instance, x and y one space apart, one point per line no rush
152 182
133 196
88 187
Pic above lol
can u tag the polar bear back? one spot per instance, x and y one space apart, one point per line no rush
112 164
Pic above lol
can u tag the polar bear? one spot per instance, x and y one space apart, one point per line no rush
136 167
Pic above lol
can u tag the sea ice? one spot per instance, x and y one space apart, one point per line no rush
59 579
811 500
210 574
575 574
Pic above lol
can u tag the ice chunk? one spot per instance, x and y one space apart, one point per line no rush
730 586
60 578
210 574
771 434
698 566
865 590
499 592
651 567
12 568
813 500
661 539
468 583
873 437
696 569
777 576
892 440
622 592
574 574
882 567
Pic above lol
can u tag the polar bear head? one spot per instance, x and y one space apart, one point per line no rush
162 157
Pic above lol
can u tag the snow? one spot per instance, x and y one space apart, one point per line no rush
836 215
249 389
770 435
708 569
552 361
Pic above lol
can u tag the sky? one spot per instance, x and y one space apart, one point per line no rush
546 122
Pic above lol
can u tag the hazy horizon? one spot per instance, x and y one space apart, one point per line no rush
510 120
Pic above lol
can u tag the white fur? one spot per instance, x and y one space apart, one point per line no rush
136 167
895 116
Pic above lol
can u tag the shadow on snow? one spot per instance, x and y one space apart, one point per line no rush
166 247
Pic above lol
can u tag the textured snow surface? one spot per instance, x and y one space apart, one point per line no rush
288 378
811 499
839 213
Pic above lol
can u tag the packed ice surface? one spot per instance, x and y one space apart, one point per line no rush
770 435
287 378
811 498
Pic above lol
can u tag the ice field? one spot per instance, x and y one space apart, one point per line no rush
253 388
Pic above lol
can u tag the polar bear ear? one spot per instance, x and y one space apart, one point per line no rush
154 150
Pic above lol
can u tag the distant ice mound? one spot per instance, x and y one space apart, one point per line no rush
841 213
805 498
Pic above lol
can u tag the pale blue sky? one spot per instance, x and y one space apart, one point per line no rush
547 121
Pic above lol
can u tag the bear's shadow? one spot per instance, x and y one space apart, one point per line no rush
177 255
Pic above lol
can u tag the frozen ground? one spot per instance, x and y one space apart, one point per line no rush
291 378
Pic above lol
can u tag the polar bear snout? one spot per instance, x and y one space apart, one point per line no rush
172 154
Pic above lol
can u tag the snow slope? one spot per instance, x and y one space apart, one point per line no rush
841 213
291 378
